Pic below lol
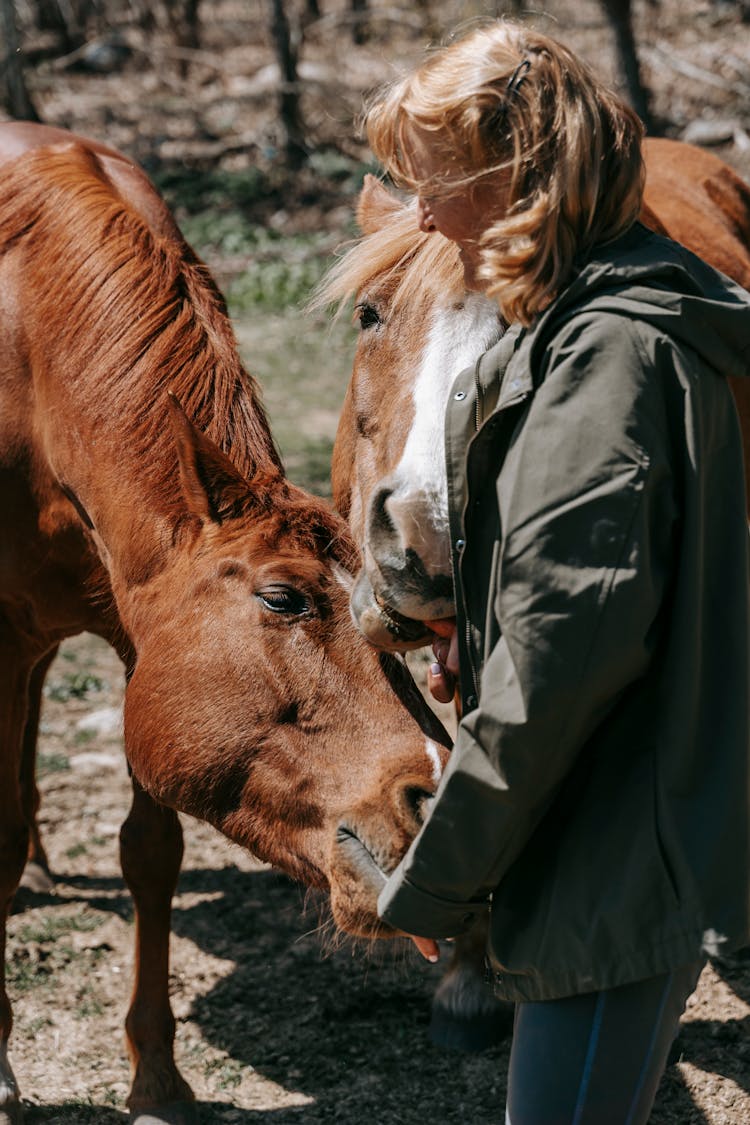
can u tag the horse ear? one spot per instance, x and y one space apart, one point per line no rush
211 485
376 205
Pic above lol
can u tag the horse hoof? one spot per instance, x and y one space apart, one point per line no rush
478 1033
177 1113
37 879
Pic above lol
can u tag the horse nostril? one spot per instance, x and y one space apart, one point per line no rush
379 516
418 801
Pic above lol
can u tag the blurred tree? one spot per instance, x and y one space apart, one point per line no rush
360 27
66 18
286 47
15 96
183 19
620 16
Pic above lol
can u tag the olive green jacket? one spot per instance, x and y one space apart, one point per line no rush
598 793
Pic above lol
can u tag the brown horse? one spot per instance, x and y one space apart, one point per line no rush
418 330
143 500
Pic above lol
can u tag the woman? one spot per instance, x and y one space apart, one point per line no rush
596 801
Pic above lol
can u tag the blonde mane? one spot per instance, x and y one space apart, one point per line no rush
397 259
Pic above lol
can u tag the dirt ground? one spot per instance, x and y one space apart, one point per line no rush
275 1023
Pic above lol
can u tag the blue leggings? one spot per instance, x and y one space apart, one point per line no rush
595 1059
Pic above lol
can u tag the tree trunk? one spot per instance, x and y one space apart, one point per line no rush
360 28
65 17
185 26
619 14
14 93
290 114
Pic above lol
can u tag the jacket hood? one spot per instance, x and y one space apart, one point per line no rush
651 278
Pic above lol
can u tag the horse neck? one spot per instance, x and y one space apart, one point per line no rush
102 411
120 468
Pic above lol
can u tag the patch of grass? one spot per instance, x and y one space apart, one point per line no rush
51 763
53 926
303 366
88 1003
74 685
225 1072
81 848
308 462
193 190
279 282
36 1025
281 270
24 974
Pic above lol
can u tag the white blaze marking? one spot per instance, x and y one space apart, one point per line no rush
434 755
457 337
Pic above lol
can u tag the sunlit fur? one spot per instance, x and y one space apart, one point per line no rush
141 312
562 148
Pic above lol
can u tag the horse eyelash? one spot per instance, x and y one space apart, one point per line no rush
361 309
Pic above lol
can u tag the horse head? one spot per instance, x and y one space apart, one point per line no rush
255 705
418 329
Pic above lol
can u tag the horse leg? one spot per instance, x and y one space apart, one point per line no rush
465 1013
14 837
151 853
36 876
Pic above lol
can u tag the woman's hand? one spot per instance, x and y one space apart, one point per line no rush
442 676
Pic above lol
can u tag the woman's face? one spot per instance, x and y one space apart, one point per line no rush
461 216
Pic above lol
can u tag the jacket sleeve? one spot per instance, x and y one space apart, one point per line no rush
586 502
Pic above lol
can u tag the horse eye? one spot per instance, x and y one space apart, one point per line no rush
367 316
284 599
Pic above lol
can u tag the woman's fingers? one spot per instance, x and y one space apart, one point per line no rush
427 947
442 676
441 685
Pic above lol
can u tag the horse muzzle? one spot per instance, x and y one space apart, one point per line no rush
382 626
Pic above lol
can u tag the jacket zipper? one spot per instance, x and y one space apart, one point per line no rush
474 677
478 418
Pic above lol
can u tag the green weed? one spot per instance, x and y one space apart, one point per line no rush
74 685
88 1003
24 974
52 926
226 1072
51 763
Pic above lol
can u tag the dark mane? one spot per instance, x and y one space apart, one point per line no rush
142 315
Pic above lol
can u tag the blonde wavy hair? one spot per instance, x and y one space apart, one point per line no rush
506 104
